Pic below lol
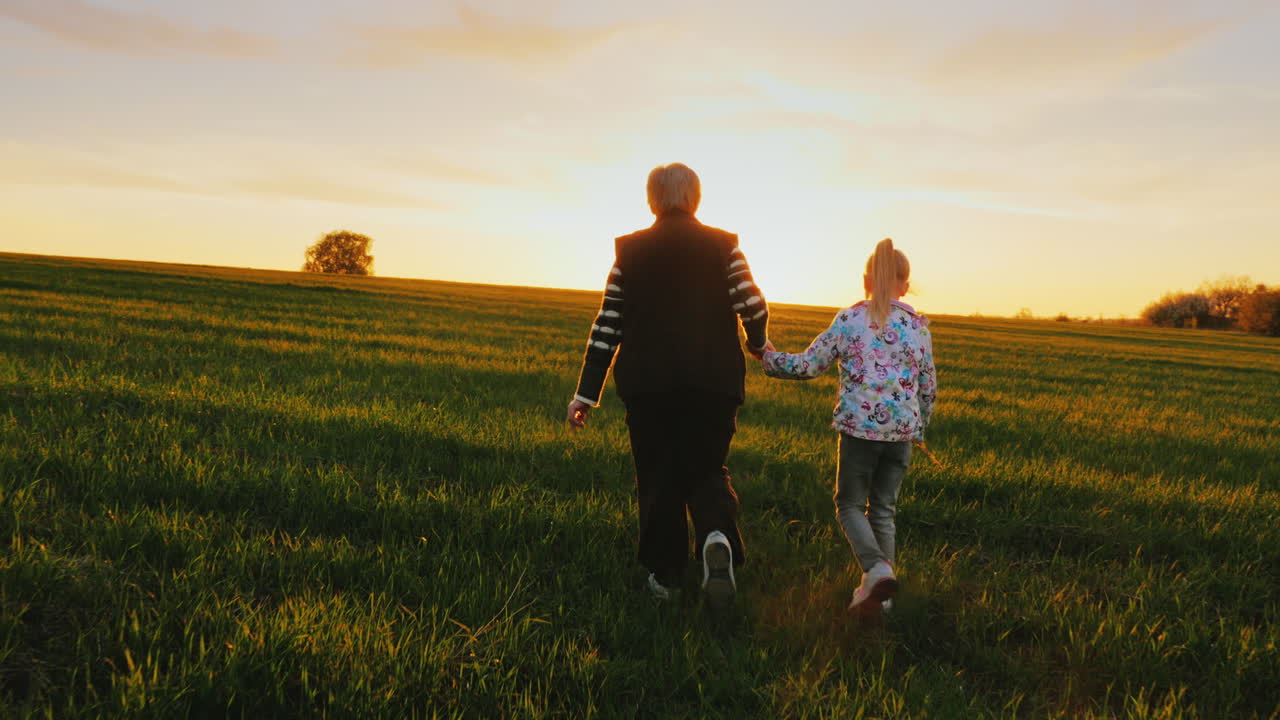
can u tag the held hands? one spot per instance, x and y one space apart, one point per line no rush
758 353
577 417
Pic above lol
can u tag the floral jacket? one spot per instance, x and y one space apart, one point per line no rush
887 379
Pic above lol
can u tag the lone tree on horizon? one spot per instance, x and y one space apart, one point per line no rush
341 252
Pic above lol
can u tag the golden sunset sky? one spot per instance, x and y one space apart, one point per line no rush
1077 157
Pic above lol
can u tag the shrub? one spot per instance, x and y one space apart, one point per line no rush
1179 310
1225 295
1260 313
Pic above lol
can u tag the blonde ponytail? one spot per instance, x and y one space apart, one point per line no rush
885 269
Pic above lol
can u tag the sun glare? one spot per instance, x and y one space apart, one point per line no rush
788 215
788 222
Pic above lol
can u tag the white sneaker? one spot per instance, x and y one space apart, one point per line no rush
878 585
657 589
717 569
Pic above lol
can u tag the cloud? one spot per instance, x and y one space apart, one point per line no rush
27 164
481 36
419 164
1176 94
321 190
105 28
1081 49
972 53
51 166
1207 187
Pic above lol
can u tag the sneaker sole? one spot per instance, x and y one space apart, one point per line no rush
659 593
871 607
884 590
719 585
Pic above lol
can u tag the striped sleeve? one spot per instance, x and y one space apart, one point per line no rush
602 344
747 300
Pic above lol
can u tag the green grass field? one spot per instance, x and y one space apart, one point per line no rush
247 493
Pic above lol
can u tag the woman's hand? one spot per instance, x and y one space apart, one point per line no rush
578 414
768 347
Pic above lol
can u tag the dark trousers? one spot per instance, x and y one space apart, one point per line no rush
679 443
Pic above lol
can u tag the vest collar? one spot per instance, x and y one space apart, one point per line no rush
674 214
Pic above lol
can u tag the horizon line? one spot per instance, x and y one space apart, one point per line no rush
1095 319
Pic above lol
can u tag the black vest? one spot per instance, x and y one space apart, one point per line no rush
679 330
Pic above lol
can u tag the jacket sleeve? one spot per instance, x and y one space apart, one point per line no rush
603 341
747 299
809 364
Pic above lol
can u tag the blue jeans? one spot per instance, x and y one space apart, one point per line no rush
868 478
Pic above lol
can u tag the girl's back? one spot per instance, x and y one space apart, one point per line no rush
887 381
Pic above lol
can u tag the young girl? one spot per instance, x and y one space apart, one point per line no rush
887 389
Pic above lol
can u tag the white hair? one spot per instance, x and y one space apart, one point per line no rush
674 187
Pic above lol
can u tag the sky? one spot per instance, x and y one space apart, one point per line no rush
1069 157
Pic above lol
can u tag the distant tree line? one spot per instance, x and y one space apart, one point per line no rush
1229 302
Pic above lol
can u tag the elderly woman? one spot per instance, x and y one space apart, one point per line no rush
670 314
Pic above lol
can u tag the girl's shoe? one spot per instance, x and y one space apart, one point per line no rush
878 585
